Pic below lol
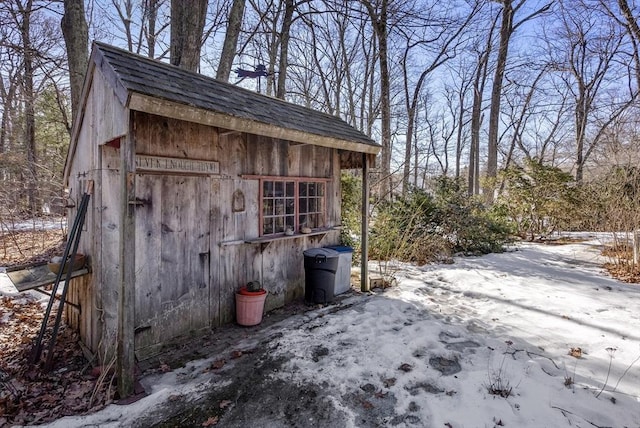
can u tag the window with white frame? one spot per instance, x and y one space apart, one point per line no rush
292 203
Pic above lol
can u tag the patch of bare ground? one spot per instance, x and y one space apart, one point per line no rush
624 272
562 240
29 394
21 247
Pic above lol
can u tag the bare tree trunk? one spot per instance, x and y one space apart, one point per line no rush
23 18
506 29
631 20
231 40
476 120
76 38
126 18
379 23
636 247
152 17
8 96
385 105
408 147
459 144
590 59
284 48
187 26
634 31
351 109
416 157
476 112
581 127
368 106
272 50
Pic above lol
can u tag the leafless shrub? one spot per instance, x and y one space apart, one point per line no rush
498 382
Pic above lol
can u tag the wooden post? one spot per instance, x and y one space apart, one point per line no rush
364 247
127 251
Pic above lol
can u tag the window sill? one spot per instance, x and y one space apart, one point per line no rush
266 240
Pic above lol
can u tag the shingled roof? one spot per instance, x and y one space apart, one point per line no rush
152 86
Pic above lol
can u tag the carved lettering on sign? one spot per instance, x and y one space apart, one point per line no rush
192 166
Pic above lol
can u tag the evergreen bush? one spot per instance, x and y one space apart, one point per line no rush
423 227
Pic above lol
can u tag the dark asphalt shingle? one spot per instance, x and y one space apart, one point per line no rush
164 81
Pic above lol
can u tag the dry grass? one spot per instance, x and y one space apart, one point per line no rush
621 265
623 272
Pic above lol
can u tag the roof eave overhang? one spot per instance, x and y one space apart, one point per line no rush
160 107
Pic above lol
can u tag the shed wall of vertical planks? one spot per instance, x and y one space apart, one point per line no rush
191 229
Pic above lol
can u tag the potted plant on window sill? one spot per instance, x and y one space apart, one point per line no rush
250 304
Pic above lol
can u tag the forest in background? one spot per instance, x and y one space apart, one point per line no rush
524 112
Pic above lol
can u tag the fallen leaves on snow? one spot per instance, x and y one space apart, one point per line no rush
576 352
213 420
28 394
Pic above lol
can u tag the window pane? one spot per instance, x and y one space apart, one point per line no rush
293 204
267 188
279 207
312 220
289 220
279 188
268 226
278 226
267 208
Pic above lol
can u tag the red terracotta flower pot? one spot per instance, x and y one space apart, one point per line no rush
250 306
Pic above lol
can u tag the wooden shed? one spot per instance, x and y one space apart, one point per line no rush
195 181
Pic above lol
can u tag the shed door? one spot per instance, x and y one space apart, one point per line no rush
172 258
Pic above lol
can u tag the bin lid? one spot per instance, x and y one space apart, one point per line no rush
341 248
326 252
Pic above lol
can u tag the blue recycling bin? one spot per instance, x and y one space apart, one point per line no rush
343 274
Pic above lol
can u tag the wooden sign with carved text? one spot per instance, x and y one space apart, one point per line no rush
186 166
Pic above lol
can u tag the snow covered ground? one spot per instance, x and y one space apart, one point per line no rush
543 327
42 223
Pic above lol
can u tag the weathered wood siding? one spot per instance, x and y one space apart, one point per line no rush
170 264
191 254
107 271
102 120
80 317
172 258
